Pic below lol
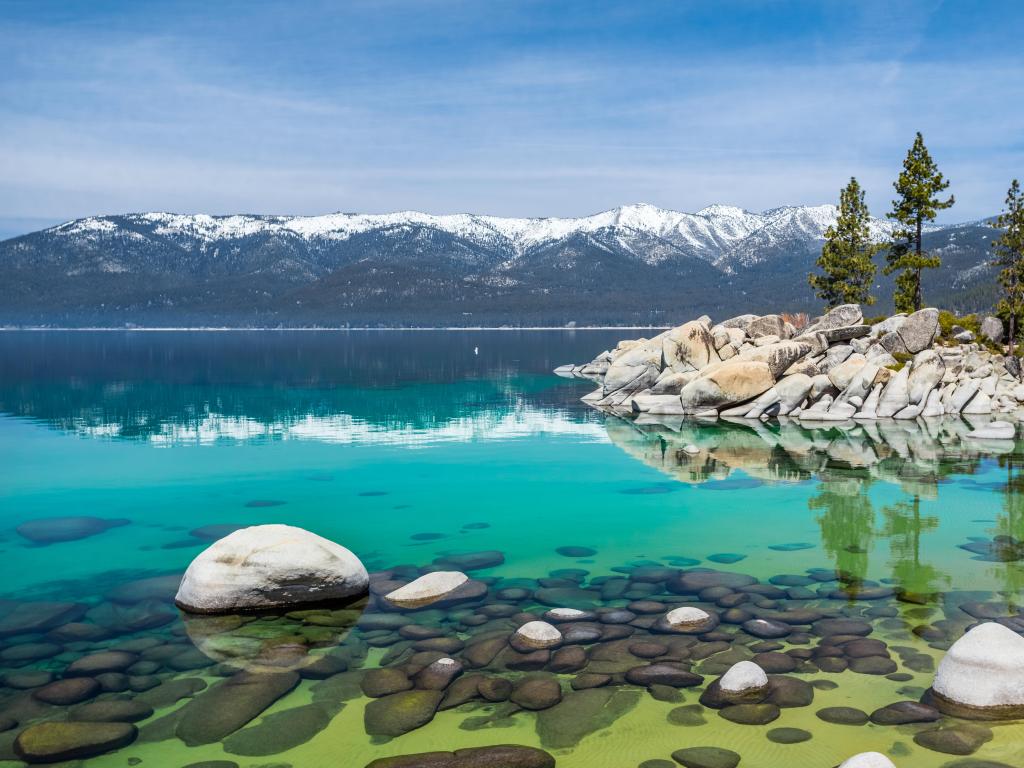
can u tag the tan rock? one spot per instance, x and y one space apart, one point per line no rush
842 374
732 382
690 347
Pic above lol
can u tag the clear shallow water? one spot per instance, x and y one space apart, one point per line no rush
401 445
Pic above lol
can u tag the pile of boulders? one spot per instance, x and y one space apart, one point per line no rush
834 369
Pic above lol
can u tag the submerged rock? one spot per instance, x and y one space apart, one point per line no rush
52 530
582 713
706 757
470 561
401 712
500 756
111 711
17 617
71 690
56 741
231 704
270 566
282 730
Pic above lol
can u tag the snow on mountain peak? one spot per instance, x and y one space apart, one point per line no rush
717 210
722 234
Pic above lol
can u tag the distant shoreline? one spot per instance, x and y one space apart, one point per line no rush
105 329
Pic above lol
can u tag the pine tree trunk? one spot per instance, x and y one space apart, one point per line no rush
917 283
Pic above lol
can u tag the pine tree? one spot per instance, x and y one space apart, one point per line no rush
1008 253
845 260
917 186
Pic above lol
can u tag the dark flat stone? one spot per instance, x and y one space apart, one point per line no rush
231 704
56 741
53 530
500 756
706 757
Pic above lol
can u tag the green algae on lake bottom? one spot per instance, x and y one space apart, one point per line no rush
907 532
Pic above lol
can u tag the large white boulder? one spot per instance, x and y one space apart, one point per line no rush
984 670
919 330
933 405
270 566
992 328
962 395
888 325
635 367
926 372
861 384
896 395
766 325
841 375
868 760
869 409
980 404
792 391
734 381
427 589
838 317
689 347
743 676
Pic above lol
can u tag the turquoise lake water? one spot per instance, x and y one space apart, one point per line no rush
409 447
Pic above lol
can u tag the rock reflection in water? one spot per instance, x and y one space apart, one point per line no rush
267 642
915 455
846 461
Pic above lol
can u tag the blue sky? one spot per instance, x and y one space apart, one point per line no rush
508 108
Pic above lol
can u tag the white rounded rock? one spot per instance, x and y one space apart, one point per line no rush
868 760
691 449
538 635
568 614
427 589
270 566
686 615
743 676
984 669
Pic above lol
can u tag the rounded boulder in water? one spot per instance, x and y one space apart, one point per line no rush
270 566
427 589
536 635
744 676
982 674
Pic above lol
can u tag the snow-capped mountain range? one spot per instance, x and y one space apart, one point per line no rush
462 268
718 234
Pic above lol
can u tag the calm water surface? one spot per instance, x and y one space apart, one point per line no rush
413 447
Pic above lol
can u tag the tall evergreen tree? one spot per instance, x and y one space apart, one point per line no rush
845 260
917 186
1008 253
